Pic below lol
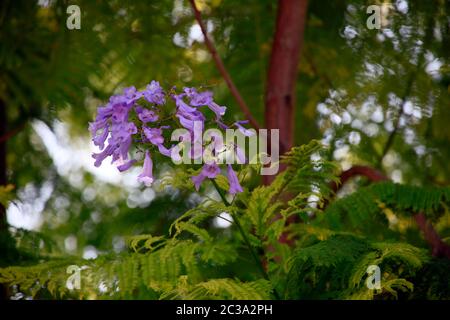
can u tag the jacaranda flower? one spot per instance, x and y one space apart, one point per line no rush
245 131
233 180
146 177
126 165
153 135
126 120
154 93
208 171
146 115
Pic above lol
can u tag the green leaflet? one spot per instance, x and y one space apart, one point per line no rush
337 268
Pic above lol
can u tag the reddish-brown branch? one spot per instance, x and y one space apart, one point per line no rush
372 174
223 71
12 132
283 69
438 247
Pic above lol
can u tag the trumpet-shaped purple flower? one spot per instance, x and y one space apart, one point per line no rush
123 131
99 140
146 177
99 157
131 95
146 115
199 99
121 150
101 123
187 114
233 180
164 151
204 98
189 121
208 171
245 131
127 165
218 110
240 154
103 115
154 93
118 143
154 135
115 127
120 113
182 106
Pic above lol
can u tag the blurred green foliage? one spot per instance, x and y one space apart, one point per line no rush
374 97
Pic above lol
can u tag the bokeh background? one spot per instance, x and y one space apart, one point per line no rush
355 88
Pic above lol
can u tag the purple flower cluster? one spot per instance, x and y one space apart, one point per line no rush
125 120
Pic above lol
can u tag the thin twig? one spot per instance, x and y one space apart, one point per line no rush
394 132
438 246
223 71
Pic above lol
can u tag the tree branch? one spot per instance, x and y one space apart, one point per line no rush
372 174
223 71
13 132
394 132
438 247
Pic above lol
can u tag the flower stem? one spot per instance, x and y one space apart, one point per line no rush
244 236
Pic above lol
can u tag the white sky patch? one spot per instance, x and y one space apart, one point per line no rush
349 32
377 115
74 155
179 40
397 176
313 200
70 243
19 219
408 108
45 3
346 117
433 68
71 158
371 129
323 109
341 153
90 252
221 222
336 119
357 124
402 6
26 211
354 138
195 32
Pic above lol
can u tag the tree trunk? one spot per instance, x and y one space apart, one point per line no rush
3 223
3 124
282 76
283 67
